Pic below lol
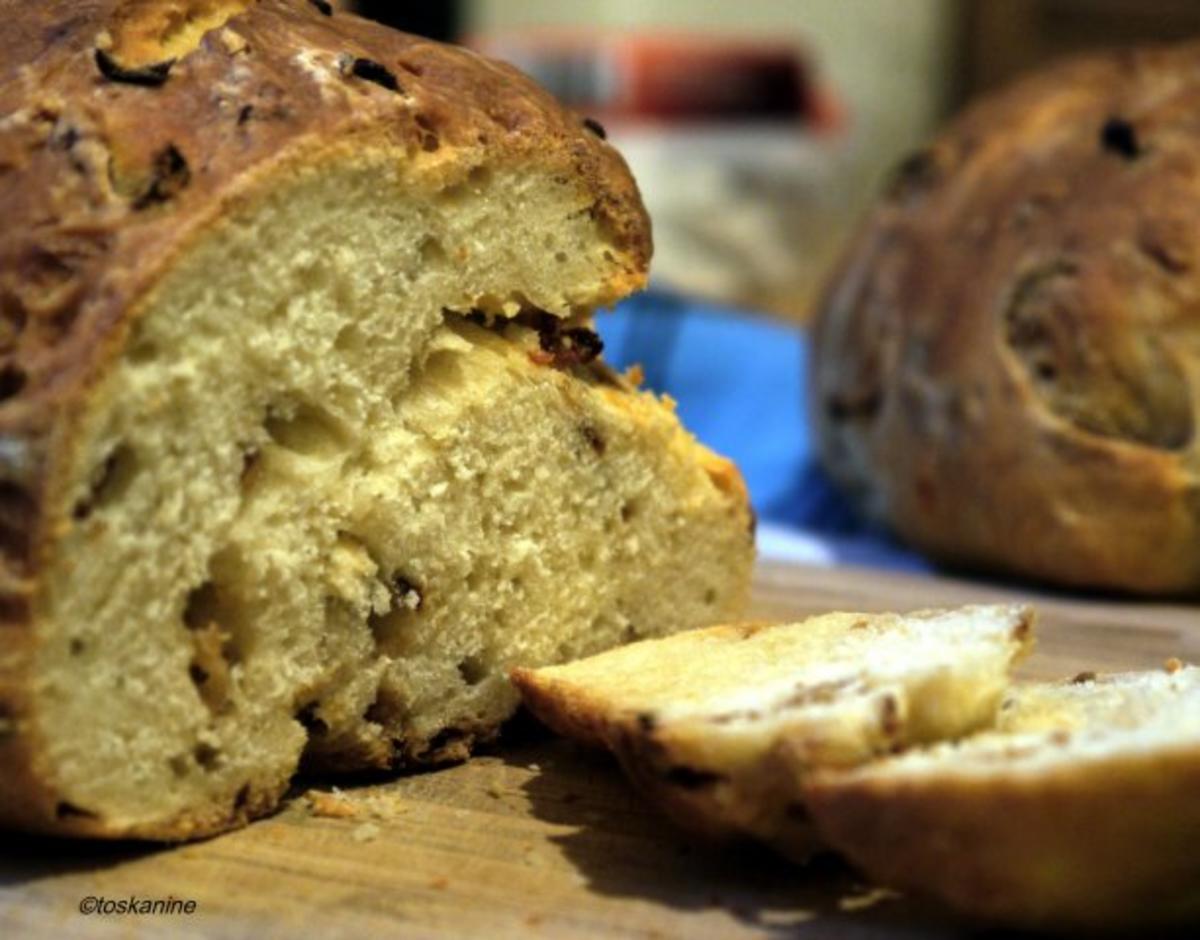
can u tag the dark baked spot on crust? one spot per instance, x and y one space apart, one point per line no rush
324 6
595 127
689 778
17 514
854 404
371 71
561 348
1083 677
1117 384
1119 137
169 176
148 76
647 722
12 380
1168 241
914 175
244 113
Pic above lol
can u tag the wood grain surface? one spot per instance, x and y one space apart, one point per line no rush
538 837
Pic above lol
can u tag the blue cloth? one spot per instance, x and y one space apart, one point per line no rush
741 383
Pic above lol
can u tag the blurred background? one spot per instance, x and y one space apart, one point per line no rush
759 132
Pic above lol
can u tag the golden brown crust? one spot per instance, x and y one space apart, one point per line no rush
128 128
1102 845
1003 365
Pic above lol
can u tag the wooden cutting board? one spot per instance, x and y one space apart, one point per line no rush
538 837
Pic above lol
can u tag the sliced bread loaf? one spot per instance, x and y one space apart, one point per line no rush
1079 810
722 726
303 440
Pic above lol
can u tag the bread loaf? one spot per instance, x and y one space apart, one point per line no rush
303 437
1078 811
1005 369
723 726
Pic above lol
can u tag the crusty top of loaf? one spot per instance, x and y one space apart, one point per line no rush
1006 367
125 128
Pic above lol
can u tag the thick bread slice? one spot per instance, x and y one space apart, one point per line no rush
721 726
302 439
1081 810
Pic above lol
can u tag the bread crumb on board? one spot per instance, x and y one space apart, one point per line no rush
365 832
330 805
340 804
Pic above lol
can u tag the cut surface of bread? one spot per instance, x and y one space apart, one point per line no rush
1078 810
722 725
303 439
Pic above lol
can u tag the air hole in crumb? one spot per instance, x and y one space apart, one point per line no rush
310 721
593 438
208 616
560 257
629 509
479 177
453 194
710 596
206 756
473 670
690 778
242 798
306 430
142 351
429 138
431 251
200 609
109 481
350 338
448 738
377 712
179 765
251 461
608 255
76 646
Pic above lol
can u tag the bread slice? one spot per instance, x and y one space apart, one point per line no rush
721 726
303 440
1079 811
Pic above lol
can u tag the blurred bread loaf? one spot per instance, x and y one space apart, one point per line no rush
1078 811
303 440
1005 366
722 726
